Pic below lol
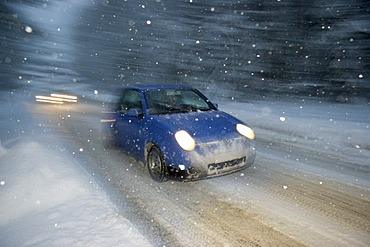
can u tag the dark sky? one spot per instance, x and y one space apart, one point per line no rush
318 48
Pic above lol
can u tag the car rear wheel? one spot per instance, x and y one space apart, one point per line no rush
156 166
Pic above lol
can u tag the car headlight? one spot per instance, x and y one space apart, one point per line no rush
185 140
245 131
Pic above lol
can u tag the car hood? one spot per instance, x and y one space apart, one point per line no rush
203 125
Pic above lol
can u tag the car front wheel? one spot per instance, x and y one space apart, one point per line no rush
156 166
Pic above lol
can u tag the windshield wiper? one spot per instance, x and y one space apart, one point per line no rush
204 109
189 107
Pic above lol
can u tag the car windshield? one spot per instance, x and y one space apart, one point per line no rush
166 101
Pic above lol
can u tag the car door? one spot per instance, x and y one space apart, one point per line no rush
130 122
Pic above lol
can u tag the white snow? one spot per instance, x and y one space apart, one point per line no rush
323 128
46 199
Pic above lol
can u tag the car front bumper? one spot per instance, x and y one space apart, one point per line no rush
216 158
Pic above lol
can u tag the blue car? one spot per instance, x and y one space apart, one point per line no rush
176 131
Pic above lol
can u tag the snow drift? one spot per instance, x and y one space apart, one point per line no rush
47 200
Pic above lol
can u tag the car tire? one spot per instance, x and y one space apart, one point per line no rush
156 165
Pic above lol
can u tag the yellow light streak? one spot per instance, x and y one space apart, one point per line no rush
63 96
56 98
49 101
107 120
48 98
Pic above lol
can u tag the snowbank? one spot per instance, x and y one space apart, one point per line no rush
47 200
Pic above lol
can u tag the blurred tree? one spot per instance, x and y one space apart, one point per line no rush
233 48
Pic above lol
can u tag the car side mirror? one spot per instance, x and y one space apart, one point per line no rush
215 105
134 112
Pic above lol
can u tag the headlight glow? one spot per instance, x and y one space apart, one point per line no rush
185 140
245 131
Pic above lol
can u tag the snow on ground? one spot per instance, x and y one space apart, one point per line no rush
46 198
340 131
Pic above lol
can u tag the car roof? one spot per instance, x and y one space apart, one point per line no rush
144 87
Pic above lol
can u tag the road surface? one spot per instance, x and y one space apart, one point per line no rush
291 196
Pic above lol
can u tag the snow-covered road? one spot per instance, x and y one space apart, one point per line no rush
309 185
46 197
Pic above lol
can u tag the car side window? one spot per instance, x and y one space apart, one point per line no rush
130 99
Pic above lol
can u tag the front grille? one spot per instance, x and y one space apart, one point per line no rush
216 168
